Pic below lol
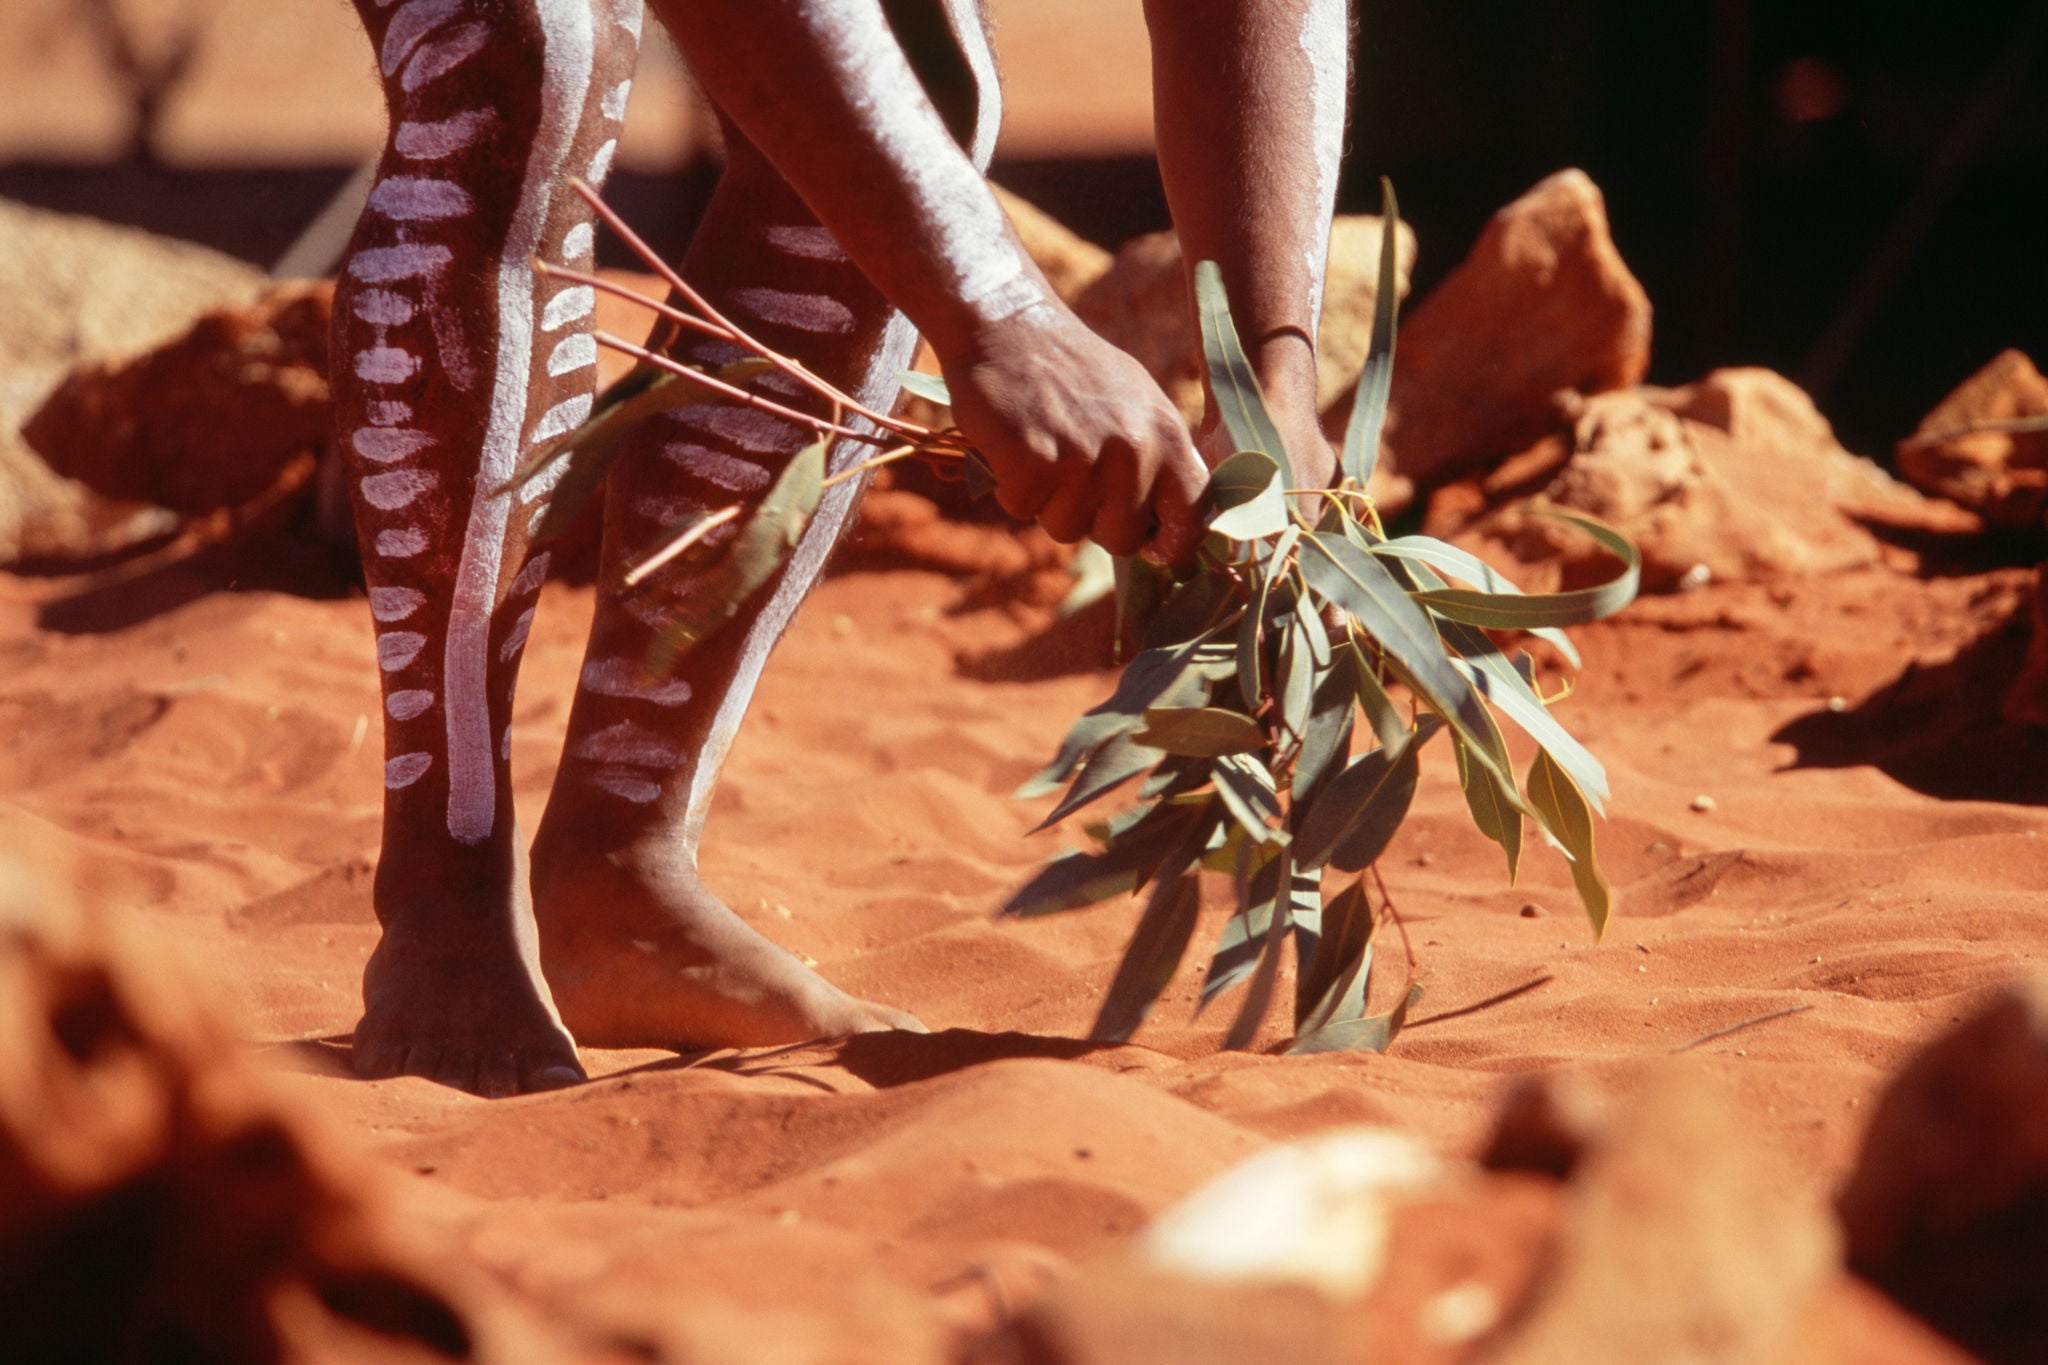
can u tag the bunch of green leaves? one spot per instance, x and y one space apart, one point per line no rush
1240 715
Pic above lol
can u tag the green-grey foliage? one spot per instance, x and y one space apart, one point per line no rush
1243 708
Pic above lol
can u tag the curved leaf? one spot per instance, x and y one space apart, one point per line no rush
929 387
1332 983
1200 731
1374 1033
1376 380
713 595
1239 400
1353 579
1562 809
1247 491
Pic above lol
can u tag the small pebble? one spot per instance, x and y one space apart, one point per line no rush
1532 910
1838 704
1704 803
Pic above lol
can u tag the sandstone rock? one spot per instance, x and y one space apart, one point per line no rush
2001 475
1680 1245
1071 262
2026 700
160 1199
1542 306
1142 305
1736 477
1947 1210
206 421
77 288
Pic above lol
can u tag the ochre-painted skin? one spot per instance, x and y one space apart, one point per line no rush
452 361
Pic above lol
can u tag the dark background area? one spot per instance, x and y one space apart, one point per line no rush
1852 194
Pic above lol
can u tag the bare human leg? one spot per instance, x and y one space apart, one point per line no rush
450 366
638 951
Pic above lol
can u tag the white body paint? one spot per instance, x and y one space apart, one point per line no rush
818 313
387 412
436 59
989 270
572 353
395 604
442 138
808 240
515 638
1325 40
386 365
413 199
406 261
409 704
399 488
743 427
625 678
380 307
413 22
625 785
567 57
403 543
386 445
577 301
729 472
633 746
396 649
564 417
406 769
532 576
578 242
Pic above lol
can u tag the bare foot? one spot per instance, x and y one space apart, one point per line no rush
458 998
640 954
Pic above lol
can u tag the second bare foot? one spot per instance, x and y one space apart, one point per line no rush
639 954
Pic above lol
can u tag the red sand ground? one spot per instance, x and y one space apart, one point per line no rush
216 766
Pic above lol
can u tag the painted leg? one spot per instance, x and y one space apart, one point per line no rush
449 367
638 951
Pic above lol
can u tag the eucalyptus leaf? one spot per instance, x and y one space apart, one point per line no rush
1248 793
1353 819
1244 934
1258 997
1332 984
929 387
1073 880
1562 809
1239 400
1094 578
1200 731
1376 380
1327 741
1495 811
714 594
1247 492
1153 675
1374 1033
575 467
1117 761
1341 573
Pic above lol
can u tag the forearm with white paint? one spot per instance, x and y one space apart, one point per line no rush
825 91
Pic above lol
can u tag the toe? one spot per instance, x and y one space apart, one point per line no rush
497 1075
554 1076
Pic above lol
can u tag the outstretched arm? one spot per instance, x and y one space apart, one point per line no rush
1249 103
1077 433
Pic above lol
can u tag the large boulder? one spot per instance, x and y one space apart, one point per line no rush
78 289
1967 451
206 421
1142 305
1542 310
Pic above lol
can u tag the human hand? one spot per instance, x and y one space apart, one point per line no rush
1078 435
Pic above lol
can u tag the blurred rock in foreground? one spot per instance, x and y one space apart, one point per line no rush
161 1200
1948 1208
